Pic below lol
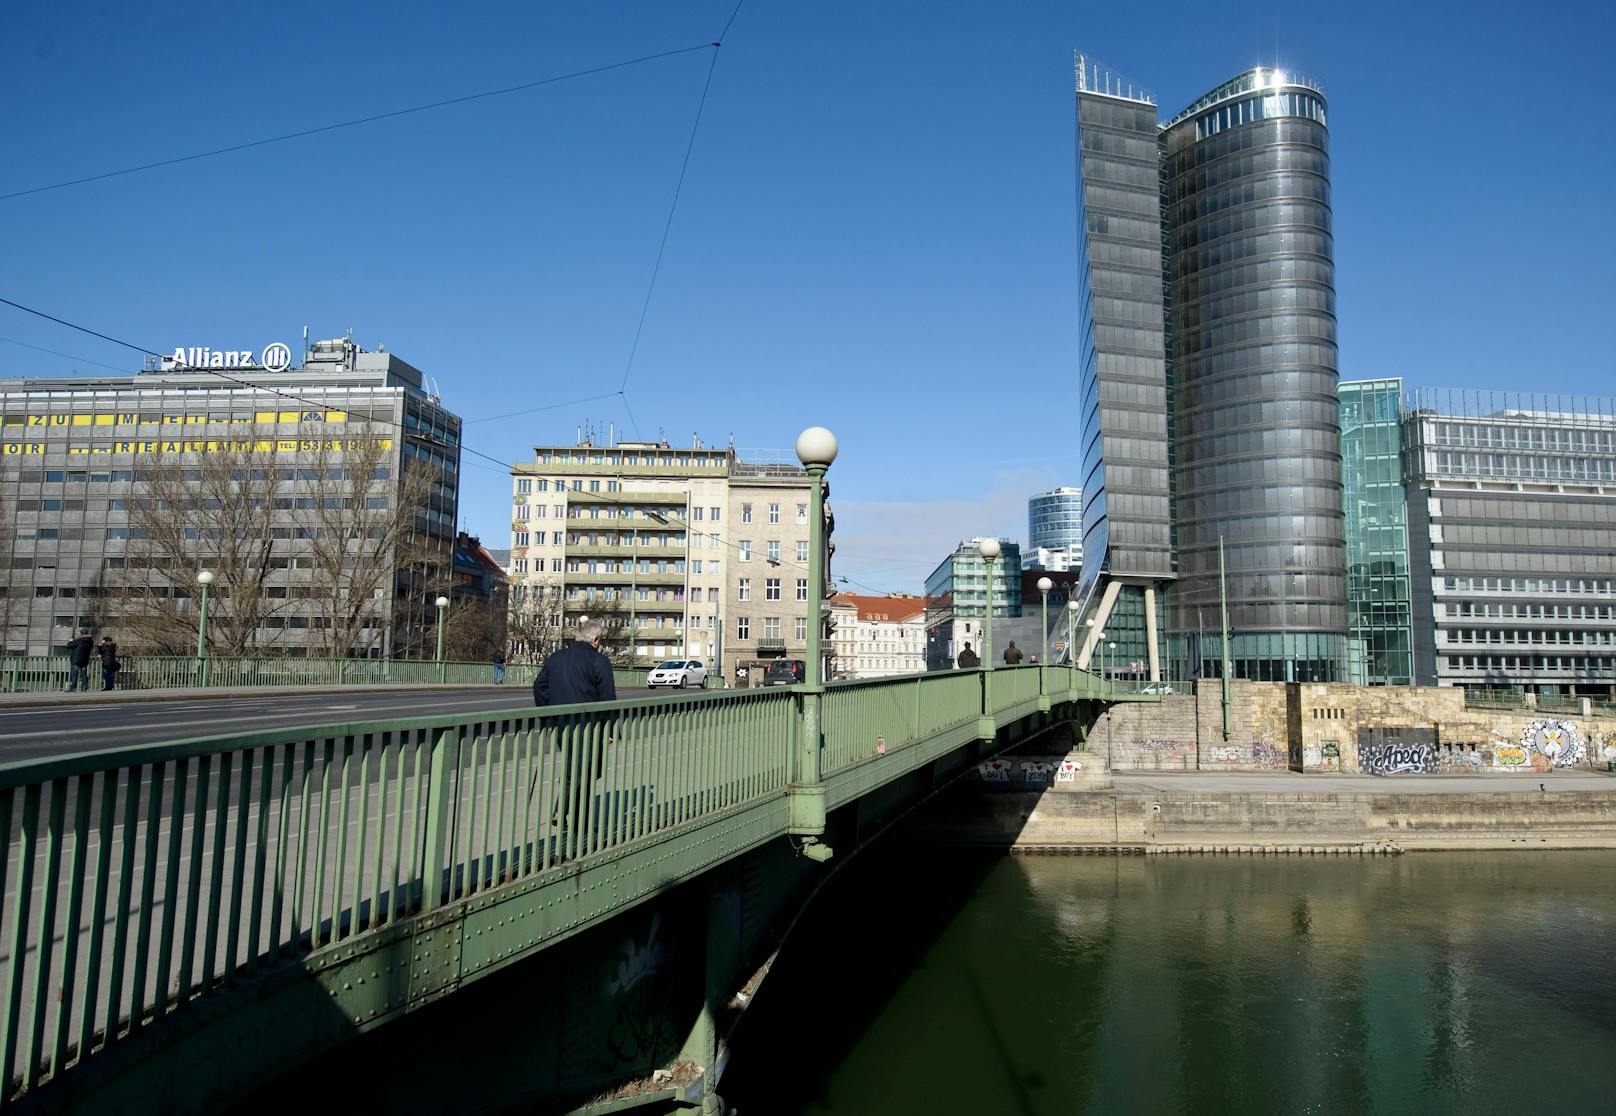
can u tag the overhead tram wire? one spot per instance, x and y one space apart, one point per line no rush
673 208
505 466
67 356
644 58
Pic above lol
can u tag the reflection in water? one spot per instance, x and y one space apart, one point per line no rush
1436 983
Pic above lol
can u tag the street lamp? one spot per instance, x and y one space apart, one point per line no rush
816 449
989 550
443 607
1044 586
204 579
1110 654
1072 608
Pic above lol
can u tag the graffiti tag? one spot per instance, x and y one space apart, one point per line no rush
1558 741
1228 753
1391 758
1509 755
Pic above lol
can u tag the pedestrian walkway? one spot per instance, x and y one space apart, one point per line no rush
33 698
1290 782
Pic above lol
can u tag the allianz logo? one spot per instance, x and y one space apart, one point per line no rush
277 357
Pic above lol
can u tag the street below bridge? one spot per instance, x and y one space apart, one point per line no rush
60 728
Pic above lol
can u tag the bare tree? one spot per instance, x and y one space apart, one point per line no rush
537 624
474 631
213 511
367 536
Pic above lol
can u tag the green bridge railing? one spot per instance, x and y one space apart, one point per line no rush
37 673
136 880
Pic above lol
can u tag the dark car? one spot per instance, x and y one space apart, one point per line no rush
785 672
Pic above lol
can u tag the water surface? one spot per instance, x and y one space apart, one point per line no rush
941 982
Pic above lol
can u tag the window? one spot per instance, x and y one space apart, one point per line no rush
712 565
743 627
524 485
802 513
746 550
695 565
743 589
697 512
712 596
802 588
802 629
714 517
746 513
521 539
519 564
774 550
771 627
774 513
522 511
802 550
771 589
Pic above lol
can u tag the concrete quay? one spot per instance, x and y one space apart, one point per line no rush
1271 813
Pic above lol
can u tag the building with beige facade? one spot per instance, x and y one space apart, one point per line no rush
679 552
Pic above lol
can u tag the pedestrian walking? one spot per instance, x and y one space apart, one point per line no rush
1033 661
575 675
968 659
79 653
109 663
1012 654
499 668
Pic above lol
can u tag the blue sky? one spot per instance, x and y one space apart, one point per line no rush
876 231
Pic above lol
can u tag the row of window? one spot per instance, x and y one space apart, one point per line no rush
1530 611
1488 435
590 455
1584 470
771 589
1530 663
1529 585
771 627
1575 638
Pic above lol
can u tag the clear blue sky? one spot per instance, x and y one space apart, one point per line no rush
876 232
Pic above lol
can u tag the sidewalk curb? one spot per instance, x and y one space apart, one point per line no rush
119 697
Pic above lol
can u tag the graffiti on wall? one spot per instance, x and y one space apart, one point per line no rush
1603 746
1228 753
1395 756
1556 741
1160 744
1265 755
639 1029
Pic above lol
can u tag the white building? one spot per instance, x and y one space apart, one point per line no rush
876 636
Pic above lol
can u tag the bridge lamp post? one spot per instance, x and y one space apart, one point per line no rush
1044 586
443 607
204 579
816 449
1110 654
1071 633
989 549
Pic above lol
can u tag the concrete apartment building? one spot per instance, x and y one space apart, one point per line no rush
679 552
875 636
261 459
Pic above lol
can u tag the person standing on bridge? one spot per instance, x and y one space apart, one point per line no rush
576 673
968 659
79 653
499 668
109 662
1012 654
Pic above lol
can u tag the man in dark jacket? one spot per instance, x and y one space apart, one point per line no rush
1012 654
577 672
79 653
109 662
968 659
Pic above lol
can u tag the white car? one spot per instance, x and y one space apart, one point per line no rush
678 672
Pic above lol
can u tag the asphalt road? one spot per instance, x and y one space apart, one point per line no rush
35 731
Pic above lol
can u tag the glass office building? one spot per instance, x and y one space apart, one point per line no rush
1512 533
1213 393
957 599
1055 524
1381 650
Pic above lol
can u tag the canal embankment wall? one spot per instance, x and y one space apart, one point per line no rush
1316 727
1051 820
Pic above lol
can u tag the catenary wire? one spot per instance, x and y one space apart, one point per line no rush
68 356
362 120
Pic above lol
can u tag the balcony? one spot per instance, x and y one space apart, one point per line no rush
771 644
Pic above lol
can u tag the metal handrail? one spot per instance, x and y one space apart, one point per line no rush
137 879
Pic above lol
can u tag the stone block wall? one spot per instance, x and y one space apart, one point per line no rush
1184 732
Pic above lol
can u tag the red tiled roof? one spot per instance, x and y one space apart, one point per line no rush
871 607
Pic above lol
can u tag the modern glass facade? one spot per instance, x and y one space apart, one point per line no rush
1512 517
1055 522
1377 533
956 599
1246 224
1122 378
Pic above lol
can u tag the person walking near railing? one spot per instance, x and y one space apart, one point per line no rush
109 662
968 659
1012 655
79 653
499 668
574 675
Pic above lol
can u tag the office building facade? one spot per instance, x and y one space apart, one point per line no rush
957 596
1512 536
1376 508
115 492
1208 379
1054 530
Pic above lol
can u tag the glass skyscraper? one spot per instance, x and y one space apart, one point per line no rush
1381 652
1208 382
1055 528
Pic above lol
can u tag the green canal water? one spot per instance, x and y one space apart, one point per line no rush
937 982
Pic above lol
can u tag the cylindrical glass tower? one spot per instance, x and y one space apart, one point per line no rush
1252 380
